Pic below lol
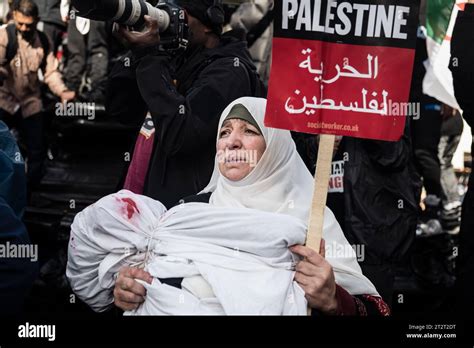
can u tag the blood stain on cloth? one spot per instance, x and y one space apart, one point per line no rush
131 207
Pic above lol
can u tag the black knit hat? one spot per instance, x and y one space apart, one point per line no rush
200 10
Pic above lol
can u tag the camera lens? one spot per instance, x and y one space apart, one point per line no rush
132 12
127 12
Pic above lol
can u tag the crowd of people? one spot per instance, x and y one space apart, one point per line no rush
207 178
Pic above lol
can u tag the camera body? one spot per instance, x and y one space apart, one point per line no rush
171 18
175 37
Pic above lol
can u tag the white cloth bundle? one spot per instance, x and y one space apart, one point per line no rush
241 254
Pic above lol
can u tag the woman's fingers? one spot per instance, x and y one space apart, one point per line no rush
302 279
128 293
320 293
131 285
303 251
130 297
126 300
127 280
309 254
310 288
316 277
137 273
307 268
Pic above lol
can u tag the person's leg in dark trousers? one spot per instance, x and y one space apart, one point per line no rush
449 183
97 46
426 133
31 131
76 62
98 54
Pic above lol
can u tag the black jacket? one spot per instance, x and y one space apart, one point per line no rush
462 62
185 112
381 198
462 66
380 195
49 11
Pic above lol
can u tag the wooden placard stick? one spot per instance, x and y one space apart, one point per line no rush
320 194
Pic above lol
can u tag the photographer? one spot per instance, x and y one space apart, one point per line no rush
185 96
462 67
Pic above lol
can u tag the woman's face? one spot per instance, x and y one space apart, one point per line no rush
239 149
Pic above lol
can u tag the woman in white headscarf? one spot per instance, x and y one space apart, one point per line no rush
279 183
259 194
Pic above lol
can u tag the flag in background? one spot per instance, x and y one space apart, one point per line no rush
440 19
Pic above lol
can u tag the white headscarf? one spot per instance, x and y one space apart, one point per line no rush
280 183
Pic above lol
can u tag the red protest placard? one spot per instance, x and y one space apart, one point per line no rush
342 68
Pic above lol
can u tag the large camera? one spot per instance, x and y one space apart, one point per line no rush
171 18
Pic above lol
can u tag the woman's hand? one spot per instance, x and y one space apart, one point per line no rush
128 293
316 277
135 39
